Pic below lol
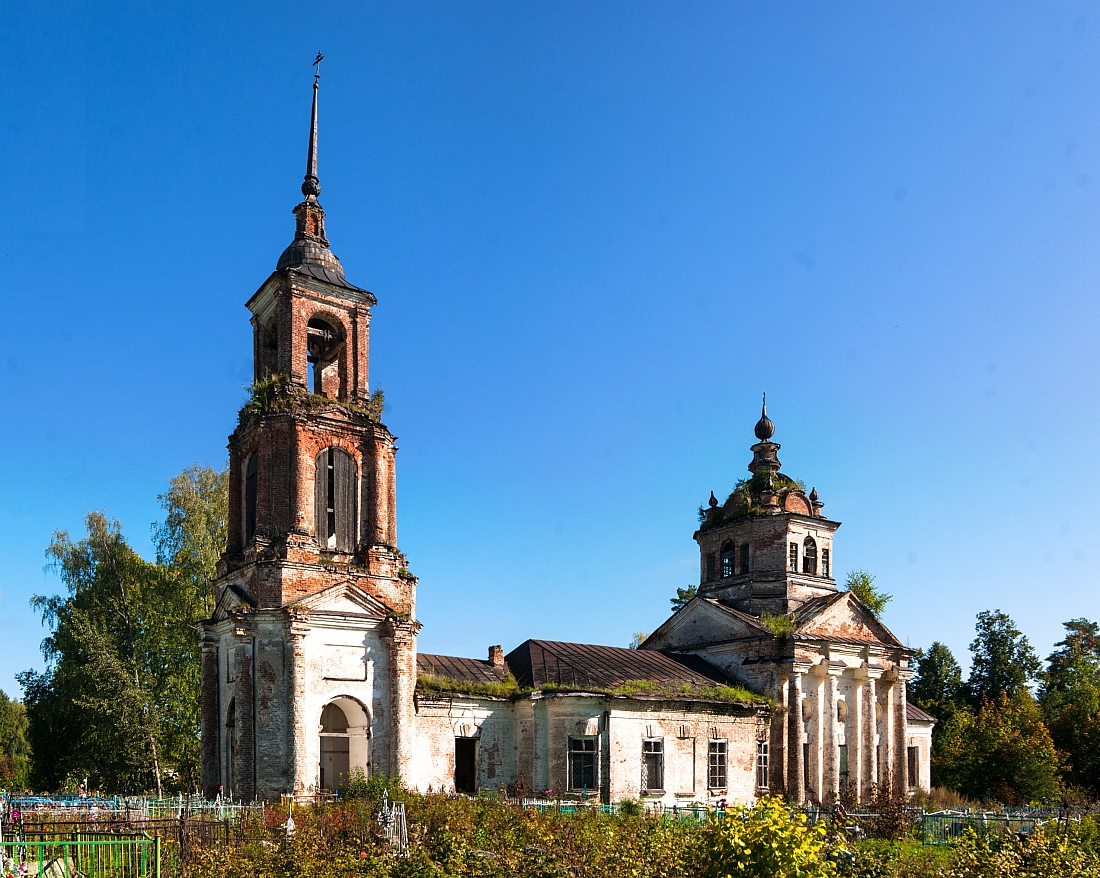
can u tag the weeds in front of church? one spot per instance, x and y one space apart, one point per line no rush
489 838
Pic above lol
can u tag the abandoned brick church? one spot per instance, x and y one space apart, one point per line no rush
310 667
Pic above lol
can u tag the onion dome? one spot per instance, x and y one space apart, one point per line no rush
813 495
764 429
713 501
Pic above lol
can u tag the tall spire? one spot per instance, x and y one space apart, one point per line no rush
309 251
311 186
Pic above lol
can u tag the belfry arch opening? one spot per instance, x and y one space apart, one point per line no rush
345 741
325 353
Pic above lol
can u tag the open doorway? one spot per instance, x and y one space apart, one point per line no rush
345 739
466 765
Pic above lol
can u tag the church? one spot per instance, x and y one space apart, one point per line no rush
769 681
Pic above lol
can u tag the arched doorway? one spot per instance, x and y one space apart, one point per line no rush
345 741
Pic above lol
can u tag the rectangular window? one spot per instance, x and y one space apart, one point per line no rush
711 566
716 772
842 764
825 563
914 767
653 765
582 764
762 765
806 766
745 559
792 553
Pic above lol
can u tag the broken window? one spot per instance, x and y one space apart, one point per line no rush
729 558
250 500
582 764
711 566
914 767
809 556
653 765
825 563
716 769
792 555
745 559
335 500
762 765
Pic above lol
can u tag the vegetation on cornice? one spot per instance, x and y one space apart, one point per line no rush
441 685
734 694
277 394
432 684
780 626
744 500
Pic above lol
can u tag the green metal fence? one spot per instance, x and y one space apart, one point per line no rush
946 828
99 858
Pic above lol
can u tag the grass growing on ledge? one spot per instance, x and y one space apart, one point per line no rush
432 684
780 626
717 692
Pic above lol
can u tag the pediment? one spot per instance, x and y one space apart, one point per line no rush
704 620
843 618
344 598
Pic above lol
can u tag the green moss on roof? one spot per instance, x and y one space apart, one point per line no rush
510 689
744 500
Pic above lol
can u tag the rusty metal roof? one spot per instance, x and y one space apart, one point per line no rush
537 663
458 668
915 714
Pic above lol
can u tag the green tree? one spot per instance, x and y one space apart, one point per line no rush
862 585
1001 752
188 544
683 597
938 682
15 749
1002 659
1070 698
119 699
91 711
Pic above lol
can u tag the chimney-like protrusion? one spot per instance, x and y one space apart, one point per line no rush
496 656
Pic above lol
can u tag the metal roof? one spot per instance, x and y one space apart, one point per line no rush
915 714
458 668
537 663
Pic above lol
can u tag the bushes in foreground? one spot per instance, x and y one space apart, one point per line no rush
486 838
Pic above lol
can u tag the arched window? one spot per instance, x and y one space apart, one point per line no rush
809 556
250 500
729 558
335 500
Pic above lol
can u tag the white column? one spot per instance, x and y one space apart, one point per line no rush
829 745
869 733
796 770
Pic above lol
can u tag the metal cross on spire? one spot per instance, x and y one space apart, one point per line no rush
311 187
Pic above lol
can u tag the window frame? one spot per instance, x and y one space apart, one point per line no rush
586 755
717 764
653 748
825 562
762 781
728 558
809 556
913 765
792 557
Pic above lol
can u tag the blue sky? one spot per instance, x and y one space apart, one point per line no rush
596 233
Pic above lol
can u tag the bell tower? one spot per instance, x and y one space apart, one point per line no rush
316 608
768 548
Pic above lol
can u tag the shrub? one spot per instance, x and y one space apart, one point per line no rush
764 842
